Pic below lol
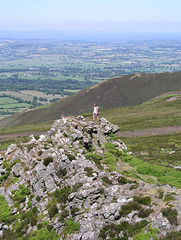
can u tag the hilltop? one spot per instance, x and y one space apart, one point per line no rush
129 90
80 182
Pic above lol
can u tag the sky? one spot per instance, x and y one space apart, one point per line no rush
92 15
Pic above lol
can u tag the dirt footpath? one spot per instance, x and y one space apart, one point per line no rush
150 132
145 132
3 137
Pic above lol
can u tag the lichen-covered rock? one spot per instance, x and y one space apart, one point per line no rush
17 170
111 211
11 148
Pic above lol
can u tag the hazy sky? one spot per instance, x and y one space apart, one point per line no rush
109 15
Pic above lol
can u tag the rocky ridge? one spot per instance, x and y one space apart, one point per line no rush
67 185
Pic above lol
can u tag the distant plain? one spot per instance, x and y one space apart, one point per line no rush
53 69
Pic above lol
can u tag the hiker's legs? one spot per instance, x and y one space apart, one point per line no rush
93 117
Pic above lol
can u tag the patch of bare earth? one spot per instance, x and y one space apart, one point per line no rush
16 135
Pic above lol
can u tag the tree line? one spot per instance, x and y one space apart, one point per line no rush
47 86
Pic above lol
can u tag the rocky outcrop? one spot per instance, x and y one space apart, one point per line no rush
72 175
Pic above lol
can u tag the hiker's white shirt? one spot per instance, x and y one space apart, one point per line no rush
96 109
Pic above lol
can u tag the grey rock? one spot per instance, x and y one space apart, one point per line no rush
2 171
87 142
49 183
77 236
74 136
5 227
40 168
109 211
42 138
89 236
87 225
14 211
10 149
33 140
161 222
8 200
2 190
17 170
13 187
39 188
81 118
115 128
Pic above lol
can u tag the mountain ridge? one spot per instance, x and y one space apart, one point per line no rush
128 90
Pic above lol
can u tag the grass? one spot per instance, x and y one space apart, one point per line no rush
17 131
15 105
5 210
9 105
70 227
164 150
16 140
163 175
7 100
39 127
129 230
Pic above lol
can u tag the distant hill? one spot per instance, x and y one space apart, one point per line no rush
128 90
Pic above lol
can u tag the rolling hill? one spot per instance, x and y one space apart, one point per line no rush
128 90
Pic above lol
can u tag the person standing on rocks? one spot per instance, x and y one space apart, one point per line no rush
95 112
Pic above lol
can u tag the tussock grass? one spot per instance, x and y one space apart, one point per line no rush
16 140
163 175
164 150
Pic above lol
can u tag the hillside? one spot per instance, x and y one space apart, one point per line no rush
162 111
122 91
151 130
79 182
154 123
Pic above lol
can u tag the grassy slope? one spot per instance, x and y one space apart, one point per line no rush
162 149
128 90
152 114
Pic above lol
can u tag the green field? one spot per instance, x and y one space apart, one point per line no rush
86 61
9 106
14 106
7 101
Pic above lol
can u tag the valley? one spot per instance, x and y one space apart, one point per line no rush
49 70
